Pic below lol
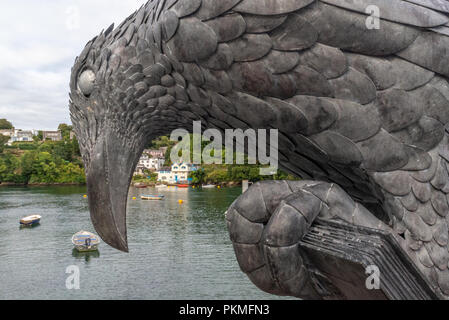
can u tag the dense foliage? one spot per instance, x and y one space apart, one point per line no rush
218 174
5 124
47 162
221 173
42 162
3 141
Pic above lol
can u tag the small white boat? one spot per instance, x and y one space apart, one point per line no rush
85 241
30 221
161 186
209 186
153 197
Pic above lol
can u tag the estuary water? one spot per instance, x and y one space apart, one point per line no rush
177 251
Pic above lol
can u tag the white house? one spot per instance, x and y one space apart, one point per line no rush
178 173
52 135
153 164
21 136
156 153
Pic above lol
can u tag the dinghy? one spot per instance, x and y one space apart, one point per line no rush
85 241
30 221
153 197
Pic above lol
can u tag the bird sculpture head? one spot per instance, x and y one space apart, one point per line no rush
125 91
104 100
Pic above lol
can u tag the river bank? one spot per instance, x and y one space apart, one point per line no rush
12 184
134 184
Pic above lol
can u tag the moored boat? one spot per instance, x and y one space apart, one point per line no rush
85 241
182 185
161 186
153 197
30 221
209 186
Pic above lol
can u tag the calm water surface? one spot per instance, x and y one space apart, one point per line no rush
176 251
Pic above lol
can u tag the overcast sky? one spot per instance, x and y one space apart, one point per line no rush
39 41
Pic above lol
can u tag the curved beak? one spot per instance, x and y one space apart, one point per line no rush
109 173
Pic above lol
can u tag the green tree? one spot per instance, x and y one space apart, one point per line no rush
75 147
63 149
27 165
9 165
71 173
198 176
44 169
3 141
65 130
161 142
218 175
5 124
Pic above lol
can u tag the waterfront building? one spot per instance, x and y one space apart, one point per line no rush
156 153
149 163
52 135
140 170
20 136
178 173
25 135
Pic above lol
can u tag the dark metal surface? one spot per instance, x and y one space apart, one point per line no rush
361 113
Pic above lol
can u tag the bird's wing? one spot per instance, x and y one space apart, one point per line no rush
365 108
353 105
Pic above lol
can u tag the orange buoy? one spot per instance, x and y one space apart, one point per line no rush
180 201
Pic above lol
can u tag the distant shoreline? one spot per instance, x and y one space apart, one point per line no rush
10 184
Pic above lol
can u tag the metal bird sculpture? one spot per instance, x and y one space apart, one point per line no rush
362 114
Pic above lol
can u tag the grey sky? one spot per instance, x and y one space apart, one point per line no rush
39 41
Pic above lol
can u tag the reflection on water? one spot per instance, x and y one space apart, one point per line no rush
177 251
27 227
86 256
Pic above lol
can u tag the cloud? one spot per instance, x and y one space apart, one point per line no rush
38 45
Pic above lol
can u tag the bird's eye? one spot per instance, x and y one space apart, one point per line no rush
86 82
